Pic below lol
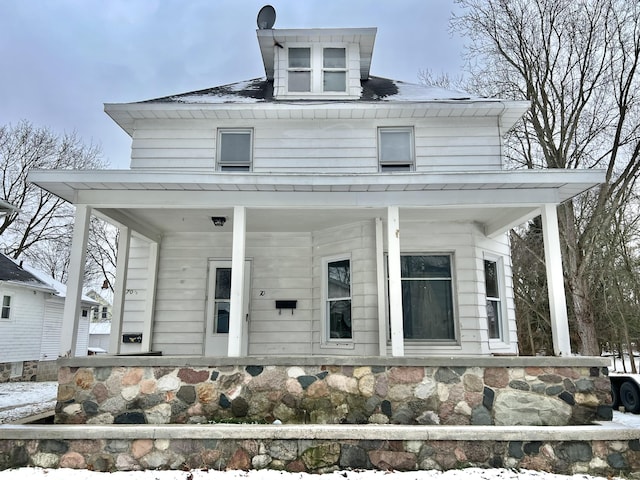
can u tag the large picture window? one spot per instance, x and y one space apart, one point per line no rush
338 302
234 149
427 297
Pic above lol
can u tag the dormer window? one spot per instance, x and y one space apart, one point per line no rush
299 69
317 70
334 70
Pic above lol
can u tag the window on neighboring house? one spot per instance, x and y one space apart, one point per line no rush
494 304
16 369
85 313
338 299
6 307
234 150
94 311
299 69
395 149
427 297
334 63
105 312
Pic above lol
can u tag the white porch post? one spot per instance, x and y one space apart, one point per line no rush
382 316
122 263
71 316
395 282
152 272
236 314
555 281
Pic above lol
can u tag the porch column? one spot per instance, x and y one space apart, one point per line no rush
382 301
152 272
122 263
236 314
555 281
77 259
395 282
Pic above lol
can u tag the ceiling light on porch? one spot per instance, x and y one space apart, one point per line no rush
219 221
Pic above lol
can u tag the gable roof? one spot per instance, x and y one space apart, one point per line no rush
15 274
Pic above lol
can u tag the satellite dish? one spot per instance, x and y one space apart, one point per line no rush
266 17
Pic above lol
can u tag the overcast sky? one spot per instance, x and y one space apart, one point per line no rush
63 59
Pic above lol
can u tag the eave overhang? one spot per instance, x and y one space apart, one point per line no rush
507 112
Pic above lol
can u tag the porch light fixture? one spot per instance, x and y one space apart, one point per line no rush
219 221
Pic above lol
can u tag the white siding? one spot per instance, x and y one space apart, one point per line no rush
322 146
52 327
20 335
135 292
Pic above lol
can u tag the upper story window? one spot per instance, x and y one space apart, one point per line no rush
316 70
6 307
396 149
334 74
235 149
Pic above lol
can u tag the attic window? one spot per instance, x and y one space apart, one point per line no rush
299 69
234 150
334 70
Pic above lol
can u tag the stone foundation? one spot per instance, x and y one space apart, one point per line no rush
481 391
307 449
29 372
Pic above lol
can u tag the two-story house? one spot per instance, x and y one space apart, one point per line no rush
317 211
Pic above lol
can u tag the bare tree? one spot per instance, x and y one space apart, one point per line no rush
41 216
577 62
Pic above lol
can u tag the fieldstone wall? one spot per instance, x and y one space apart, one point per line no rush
333 394
29 372
605 458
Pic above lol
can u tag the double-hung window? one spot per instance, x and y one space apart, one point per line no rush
6 307
494 303
315 70
334 75
338 299
396 149
299 71
427 297
235 149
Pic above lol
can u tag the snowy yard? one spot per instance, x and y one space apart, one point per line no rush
18 400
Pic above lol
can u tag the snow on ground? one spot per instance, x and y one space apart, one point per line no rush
18 400
24 399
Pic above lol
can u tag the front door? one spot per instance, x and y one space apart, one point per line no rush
218 303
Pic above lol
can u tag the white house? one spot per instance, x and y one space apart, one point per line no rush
317 210
31 323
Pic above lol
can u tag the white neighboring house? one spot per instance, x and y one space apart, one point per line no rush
100 326
31 322
360 215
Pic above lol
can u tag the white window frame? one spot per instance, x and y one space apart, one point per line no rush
498 260
326 321
454 299
4 308
227 166
400 165
317 69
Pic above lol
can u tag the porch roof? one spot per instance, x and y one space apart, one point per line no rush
151 203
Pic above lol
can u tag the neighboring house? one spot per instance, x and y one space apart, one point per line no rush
31 321
101 312
359 215
100 326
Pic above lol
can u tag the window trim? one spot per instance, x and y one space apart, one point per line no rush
454 300
392 165
501 339
8 308
326 327
220 165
